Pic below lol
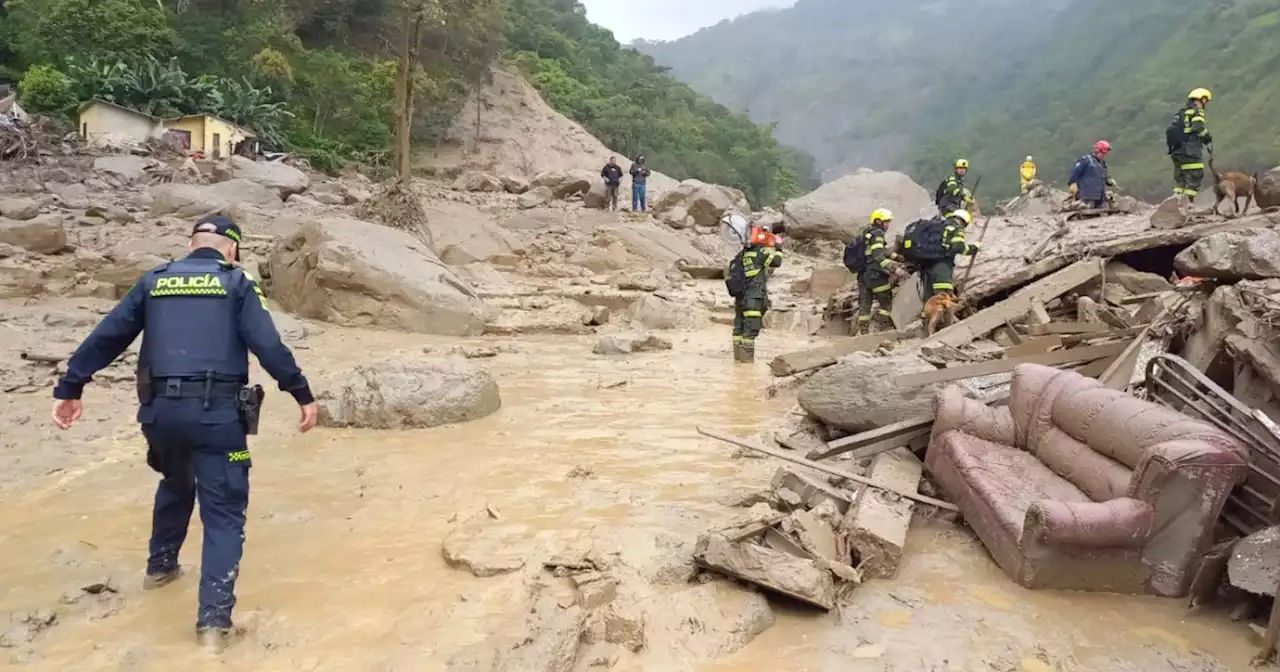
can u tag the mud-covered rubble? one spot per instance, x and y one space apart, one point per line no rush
407 391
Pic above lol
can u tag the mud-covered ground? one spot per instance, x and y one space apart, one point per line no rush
344 568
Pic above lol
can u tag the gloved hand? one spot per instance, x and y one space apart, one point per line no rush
1073 189
1111 182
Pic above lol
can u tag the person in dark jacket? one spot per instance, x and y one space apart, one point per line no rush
1188 156
639 179
1089 179
200 318
875 277
612 174
760 257
951 194
939 276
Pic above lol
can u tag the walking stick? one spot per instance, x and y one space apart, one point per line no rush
964 281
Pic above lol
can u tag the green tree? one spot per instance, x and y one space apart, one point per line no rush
47 90
88 29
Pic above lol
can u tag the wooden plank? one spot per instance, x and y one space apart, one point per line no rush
864 451
874 435
1076 339
1095 368
816 358
877 523
1061 328
1012 333
828 470
1038 314
1139 298
1118 375
1086 354
1045 289
1034 346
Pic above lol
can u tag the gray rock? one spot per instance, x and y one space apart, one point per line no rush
124 272
20 209
859 392
478 181
705 203
597 196
515 185
626 344
1267 193
42 235
280 177
1255 562
126 167
840 209
354 273
191 200
74 196
112 213
533 198
1168 215
408 393
564 183
1252 254
1135 281
653 312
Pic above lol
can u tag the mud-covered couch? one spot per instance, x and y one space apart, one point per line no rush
1076 486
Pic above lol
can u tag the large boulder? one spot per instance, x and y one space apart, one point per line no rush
476 180
564 183
19 208
641 245
125 270
840 210
626 344
1252 254
654 312
461 235
597 196
191 200
281 177
860 393
407 392
43 235
533 198
125 167
514 184
1268 191
706 203
351 272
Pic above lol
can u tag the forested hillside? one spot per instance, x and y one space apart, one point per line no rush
915 83
318 76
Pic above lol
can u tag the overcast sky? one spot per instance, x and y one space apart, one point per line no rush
668 19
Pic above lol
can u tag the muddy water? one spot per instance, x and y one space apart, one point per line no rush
343 567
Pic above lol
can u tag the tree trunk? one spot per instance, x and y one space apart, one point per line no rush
404 99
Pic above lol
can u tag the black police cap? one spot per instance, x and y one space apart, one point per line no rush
221 225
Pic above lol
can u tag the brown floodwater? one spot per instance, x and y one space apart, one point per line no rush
343 567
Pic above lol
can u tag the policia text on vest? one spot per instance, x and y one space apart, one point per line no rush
199 318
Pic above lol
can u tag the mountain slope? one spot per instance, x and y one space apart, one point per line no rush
915 83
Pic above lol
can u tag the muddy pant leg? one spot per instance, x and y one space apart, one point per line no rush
222 486
1194 177
175 500
739 321
1179 182
884 308
942 278
865 300
752 319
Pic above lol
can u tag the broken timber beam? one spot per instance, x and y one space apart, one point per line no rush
1087 354
877 523
798 578
1066 328
812 491
900 432
817 358
1034 346
1045 289
828 470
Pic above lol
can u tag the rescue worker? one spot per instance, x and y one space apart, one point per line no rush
1089 180
200 317
1187 148
939 276
875 280
1027 174
951 194
759 258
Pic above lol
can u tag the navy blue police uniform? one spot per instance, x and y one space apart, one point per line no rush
200 317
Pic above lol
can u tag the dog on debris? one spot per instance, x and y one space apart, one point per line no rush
941 311
1232 185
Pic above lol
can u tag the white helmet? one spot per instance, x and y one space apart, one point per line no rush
1028 158
734 228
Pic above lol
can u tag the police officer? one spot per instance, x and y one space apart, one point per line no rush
200 317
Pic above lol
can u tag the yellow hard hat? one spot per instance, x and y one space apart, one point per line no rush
881 215
1200 94
962 214
962 163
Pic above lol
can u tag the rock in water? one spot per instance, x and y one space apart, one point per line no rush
281 177
478 181
354 273
625 344
729 618
840 210
859 392
1253 254
408 393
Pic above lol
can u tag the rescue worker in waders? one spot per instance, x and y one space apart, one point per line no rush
1089 180
1188 138
199 317
1027 174
951 194
933 248
747 280
868 258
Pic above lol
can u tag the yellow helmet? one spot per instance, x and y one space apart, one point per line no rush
881 215
962 215
962 163
1200 94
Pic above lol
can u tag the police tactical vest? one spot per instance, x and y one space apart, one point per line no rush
192 318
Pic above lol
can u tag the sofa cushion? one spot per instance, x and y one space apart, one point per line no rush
1099 476
1007 479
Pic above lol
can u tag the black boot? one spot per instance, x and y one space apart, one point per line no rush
748 352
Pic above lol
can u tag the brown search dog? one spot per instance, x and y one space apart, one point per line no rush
1232 185
940 312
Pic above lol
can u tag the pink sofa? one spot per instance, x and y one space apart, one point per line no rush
1075 486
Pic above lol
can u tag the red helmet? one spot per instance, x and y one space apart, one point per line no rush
1102 146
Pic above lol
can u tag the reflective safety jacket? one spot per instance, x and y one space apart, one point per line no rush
953 238
950 195
199 314
877 257
758 262
1195 134
1027 172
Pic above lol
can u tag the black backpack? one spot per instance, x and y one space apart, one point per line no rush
1175 135
855 254
922 241
735 280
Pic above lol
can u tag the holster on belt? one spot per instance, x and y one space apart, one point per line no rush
249 403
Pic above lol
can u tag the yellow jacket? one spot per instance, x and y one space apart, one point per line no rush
1028 171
